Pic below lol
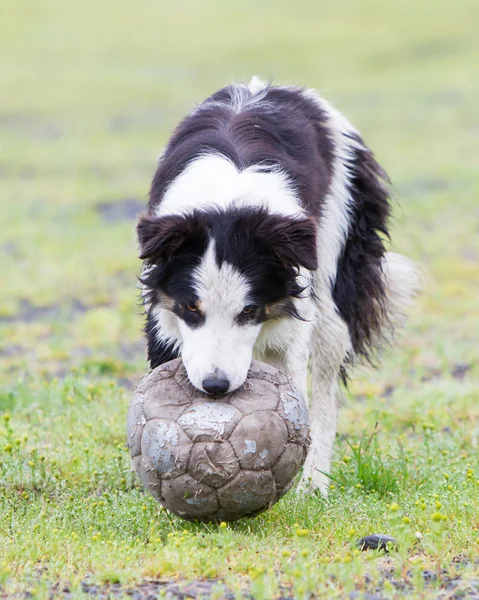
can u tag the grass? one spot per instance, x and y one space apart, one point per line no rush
89 94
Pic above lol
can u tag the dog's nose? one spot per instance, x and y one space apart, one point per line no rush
216 383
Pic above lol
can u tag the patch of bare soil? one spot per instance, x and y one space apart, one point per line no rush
448 588
126 209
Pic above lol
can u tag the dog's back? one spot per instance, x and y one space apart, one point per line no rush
250 144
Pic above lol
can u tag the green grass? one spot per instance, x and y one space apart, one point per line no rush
89 94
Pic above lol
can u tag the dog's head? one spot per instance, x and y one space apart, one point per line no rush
220 275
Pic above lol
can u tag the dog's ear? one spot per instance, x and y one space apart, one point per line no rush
292 240
160 238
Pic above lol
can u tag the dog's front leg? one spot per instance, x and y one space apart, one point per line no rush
323 414
325 340
294 364
331 344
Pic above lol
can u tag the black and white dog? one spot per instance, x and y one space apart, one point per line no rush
265 238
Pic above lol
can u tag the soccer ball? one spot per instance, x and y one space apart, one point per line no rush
217 458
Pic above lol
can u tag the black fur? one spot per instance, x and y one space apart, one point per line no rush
173 248
359 290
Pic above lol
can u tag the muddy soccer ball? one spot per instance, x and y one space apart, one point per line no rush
217 458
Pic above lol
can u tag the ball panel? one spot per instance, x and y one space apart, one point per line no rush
280 492
259 395
230 515
288 465
188 498
209 421
166 447
264 372
292 407
159 374
165 400
259 440
135 422
148 476
182 381
249 492
213 463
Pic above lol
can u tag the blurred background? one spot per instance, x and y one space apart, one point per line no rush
91 90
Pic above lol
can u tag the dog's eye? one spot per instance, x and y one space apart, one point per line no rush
192 307
248 310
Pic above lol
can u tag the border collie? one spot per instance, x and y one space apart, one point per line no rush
265 237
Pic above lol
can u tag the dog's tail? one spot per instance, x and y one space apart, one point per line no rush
403 282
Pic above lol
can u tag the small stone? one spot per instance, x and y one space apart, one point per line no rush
377 541
429 575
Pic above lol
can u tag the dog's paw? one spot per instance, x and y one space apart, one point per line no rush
313 481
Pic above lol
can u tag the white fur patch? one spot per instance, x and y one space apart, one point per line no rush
256 85
243 97
213 181
167 328
336 216
220 288
219 343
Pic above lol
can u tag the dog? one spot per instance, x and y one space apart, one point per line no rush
265 237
